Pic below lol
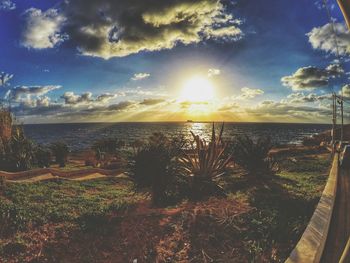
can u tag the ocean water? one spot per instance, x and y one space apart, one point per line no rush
82 135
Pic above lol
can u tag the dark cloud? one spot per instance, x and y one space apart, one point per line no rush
149 102
309 98
109 28
121 106
312 77
86 98
72 99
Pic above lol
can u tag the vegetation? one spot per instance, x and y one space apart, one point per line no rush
60 150
16 154
204 163
253 156
43 156
154 165
82 221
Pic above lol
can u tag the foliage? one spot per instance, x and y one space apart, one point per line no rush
43 156
204 163
253 156
108 145
17 154
60 150
153 165
2 183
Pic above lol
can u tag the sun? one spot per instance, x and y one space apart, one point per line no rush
197 89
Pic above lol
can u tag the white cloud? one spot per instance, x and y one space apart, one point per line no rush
5 78
19 92
7 5
345 91
248 93
139 76
322 38
42 29
213 72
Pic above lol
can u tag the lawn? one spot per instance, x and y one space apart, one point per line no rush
109 220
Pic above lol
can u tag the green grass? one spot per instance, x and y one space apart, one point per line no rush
283 206
61 201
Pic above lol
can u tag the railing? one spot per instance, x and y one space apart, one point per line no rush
311 245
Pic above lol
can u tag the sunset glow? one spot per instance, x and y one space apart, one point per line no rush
197 89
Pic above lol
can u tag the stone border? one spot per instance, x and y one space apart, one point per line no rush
310 247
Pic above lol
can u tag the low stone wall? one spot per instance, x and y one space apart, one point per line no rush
310 247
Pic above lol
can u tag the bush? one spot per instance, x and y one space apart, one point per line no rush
60 150
43 157
153 165
16 154
2 183
205 162
108 145
253 156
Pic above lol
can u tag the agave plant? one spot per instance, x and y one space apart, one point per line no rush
205 162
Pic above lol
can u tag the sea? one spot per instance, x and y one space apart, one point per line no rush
81 136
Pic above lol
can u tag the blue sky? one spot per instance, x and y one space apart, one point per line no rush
109 64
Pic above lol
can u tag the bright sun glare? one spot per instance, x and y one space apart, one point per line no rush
197 89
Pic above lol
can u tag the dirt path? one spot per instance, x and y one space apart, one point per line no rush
340 225
52 174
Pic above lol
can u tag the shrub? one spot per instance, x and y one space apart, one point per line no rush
253 156
43 156
60 150
153 165
205 162
108 145
2 184
17 154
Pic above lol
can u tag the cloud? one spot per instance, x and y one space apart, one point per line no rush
5 78
117 28
312 77
309 98
18 92
70 98
248 93
139 76
322 38
283 110
121 106
346 91
42 29
150 102
7 5
105 97
187 104
213 72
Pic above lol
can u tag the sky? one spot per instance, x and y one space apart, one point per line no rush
175 60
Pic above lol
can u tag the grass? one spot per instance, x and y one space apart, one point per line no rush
107 220
282 205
